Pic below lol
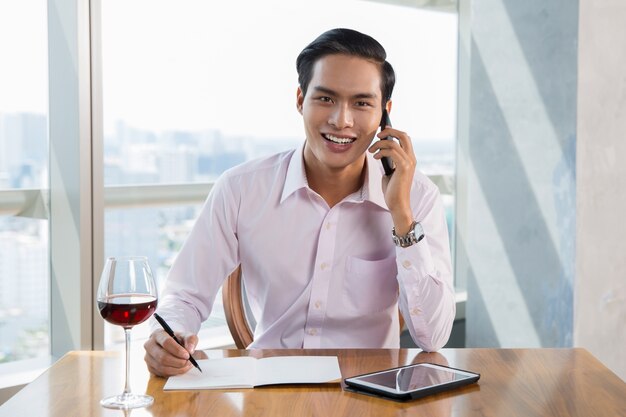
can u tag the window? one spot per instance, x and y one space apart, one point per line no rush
204 86
24 243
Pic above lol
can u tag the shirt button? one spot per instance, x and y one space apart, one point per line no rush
318 304
323 266
416 311
406 264
312 332
328 226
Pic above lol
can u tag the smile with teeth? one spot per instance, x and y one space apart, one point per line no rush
335 139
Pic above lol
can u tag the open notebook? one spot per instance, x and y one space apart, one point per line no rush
249 372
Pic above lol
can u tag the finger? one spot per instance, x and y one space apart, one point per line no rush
160 369
404 143
170 345
190 342
389 148
200 354
395 133
384 144
157 354
162 363
403 138
400 159
394 151
169 371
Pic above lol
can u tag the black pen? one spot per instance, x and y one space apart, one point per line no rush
169 331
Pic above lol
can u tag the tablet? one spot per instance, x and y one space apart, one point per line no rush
412 381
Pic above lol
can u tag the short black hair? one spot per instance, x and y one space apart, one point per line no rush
346 42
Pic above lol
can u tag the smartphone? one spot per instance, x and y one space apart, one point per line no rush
412 381
386 161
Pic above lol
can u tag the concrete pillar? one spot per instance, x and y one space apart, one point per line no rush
600 296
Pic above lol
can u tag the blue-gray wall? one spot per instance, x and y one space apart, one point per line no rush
516 178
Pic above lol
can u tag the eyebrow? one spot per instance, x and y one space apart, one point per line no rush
328 91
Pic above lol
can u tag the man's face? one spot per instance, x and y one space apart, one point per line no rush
341 111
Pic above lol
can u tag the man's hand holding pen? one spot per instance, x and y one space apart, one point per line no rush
165 357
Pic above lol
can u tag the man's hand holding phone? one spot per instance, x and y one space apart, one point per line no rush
397 186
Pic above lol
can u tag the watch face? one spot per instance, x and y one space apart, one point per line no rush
419 231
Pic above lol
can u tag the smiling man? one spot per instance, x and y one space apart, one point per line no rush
330 247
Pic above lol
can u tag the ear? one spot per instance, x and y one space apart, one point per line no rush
299 100
388 107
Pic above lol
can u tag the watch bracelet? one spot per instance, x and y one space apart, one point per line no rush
407 240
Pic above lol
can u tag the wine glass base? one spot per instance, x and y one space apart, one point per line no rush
127 401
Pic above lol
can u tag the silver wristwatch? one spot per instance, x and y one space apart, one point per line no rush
416 233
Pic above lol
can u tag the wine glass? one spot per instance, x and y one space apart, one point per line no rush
127 296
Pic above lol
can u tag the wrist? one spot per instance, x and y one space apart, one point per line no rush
402 222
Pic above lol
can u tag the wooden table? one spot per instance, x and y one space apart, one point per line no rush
514 382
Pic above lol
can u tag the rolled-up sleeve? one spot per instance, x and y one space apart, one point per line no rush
425 273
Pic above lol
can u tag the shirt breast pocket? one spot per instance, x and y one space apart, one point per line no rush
370 286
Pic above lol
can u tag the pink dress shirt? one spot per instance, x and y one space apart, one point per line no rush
315 277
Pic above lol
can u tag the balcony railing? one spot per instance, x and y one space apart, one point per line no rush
33 203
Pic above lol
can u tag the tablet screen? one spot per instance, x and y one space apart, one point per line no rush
414 377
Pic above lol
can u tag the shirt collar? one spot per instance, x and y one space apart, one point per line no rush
371 191
373 187
296 175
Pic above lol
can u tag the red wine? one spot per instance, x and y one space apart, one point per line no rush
124 310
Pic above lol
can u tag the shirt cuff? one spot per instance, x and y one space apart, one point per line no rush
180 318
415 258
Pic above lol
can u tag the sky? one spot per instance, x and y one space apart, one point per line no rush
23 56
196 65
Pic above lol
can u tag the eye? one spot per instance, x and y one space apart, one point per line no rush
363 104
325 99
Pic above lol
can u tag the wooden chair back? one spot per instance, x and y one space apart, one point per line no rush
235 310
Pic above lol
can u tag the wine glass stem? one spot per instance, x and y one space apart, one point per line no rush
127 384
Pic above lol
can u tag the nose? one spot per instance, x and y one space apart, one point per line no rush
341 117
